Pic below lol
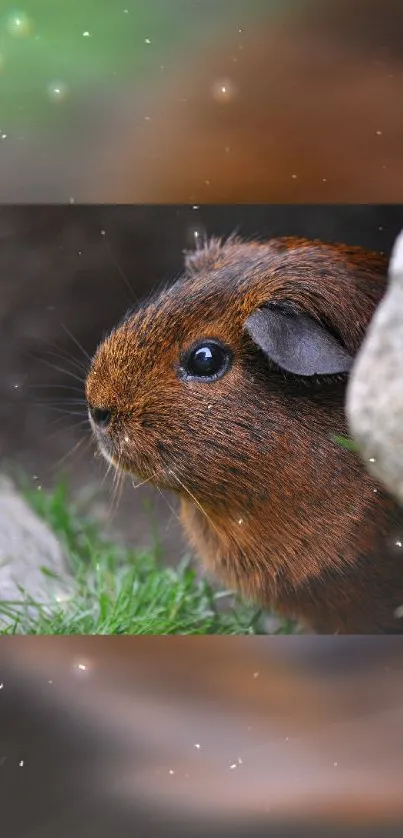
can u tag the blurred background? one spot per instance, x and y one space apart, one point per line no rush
192 736
68 274
199 101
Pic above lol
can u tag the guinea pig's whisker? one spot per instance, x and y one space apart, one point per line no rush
73 450
142 482
63 351
66 411
63 405
59 356
64 356
132 298
117 491
107 472
56 368
172 510
77 343
73 426
192 497
70 387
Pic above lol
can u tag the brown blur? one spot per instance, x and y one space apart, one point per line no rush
240 733
303 107
300 102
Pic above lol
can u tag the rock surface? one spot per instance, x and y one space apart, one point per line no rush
32 562
375 392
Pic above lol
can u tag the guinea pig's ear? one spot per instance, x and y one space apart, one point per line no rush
296 342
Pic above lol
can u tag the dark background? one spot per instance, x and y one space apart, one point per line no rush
79 268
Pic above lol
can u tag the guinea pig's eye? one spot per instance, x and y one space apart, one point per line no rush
208 360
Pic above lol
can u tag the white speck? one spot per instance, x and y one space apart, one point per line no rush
21 763
287 738
1 686
4 136
398 543
86 34
378 133
71 200
324 180
335 764
209 406
240 521
147 40
294 177
19 24
50 682
195 206
233 765
223 90
240 30
127 439
103 233
126 11
256 674
147 118
372 459
398 613
375 490
171 772
240 761
197 746
57 92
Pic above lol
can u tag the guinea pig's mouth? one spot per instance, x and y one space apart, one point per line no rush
116 456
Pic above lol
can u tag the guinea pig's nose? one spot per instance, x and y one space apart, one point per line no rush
101 416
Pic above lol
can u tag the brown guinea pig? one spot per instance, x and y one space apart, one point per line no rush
228 388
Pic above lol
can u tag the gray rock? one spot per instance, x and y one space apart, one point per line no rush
33 567
375 393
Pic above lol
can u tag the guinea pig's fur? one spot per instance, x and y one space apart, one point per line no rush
270 501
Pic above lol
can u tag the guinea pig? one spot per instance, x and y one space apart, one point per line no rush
228 388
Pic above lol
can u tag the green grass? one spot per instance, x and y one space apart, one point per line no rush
121 591
344 442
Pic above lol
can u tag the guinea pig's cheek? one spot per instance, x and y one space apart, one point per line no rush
106 449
